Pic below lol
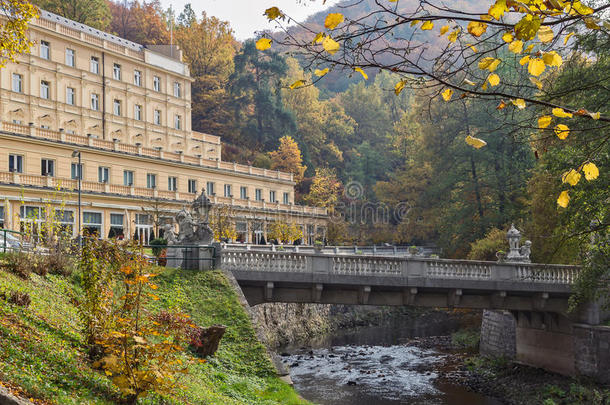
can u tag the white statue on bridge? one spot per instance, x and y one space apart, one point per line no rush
517 253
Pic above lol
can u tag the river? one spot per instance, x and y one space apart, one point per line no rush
375 366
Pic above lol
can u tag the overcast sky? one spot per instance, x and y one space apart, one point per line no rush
246 16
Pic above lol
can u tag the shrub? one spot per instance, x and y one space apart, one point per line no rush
18 263
466 339
159 245
16 297
486 248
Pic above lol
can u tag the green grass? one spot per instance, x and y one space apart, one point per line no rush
466 339
42 352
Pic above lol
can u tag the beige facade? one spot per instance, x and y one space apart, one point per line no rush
127 109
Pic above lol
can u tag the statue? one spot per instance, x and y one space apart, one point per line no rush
516 253
186 225
168 234
526 251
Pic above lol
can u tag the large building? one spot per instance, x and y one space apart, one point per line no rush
126 109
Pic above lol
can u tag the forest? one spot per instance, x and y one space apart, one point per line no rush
392 166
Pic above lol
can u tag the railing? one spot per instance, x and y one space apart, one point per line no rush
259 261
393 251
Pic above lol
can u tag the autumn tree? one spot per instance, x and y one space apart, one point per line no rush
288 158
13 30
95 13
209 48
325 189
222 222
284 232
143 23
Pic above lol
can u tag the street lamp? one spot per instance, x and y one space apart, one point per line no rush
76 153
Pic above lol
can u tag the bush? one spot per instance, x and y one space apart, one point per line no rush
486 248
159 245
17 298
466 339
18 263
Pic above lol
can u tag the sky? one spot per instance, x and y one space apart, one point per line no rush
246 16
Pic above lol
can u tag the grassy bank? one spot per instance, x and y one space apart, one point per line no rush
42 352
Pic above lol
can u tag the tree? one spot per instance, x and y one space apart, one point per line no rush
287 158
325 188
473 42
95 13
143 23
222 223
284 232
13 31
209 48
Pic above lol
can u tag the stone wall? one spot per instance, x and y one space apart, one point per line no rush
592 351
498 334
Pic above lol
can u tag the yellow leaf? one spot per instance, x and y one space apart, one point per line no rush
359 70
472 48
567 38
444 29
529 48
321 72
273 13
428 25
318 38
536 66
527 27
498 9
595 116
263 43
508 37
453 36
447 94
516 46
524 60
475 142
494 79
545 34
139 340
477 28
552 58
591 171
332 20
108 372
484 86
470 82
537 82
562 131
591 23
559 112
330 45
577 8
296 84
544 121
519 103
399 86
564 199
414 23
501 106
572 177
489 63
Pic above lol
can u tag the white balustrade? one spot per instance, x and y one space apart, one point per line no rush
460 270
547 273
365 266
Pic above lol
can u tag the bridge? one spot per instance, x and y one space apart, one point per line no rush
527 303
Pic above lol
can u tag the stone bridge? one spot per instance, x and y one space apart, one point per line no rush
530 321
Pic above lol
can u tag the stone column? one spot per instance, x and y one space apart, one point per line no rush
498 334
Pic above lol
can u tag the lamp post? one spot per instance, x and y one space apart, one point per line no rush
79 174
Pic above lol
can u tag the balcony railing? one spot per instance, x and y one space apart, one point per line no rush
60 136
71 185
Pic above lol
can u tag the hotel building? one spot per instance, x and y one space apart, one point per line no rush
126 108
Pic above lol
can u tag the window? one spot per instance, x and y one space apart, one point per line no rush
151 180
116 226
286 198
258 194
92 223
243 192
156 83
172 183
2 214
94 66
177 90
144 228
76 171
137 78
17 83
103 174
43 126
30 219
70 96
15 163
177 121
66 221
95 102
117 107
45 50
47 167
137 112
241 228
209 188
128 178
116 71
17 122
192 186
228 190
70 57
45 90
157 117
272 196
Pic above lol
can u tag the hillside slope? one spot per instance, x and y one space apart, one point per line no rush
42 352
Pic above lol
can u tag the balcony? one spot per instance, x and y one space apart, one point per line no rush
71 185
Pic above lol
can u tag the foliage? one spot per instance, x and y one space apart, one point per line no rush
159 245
466 339
18 298
593 282
143 23
94 13
576 394
485 249
13 30
287 158
222 223
325 188
284 232
18 263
